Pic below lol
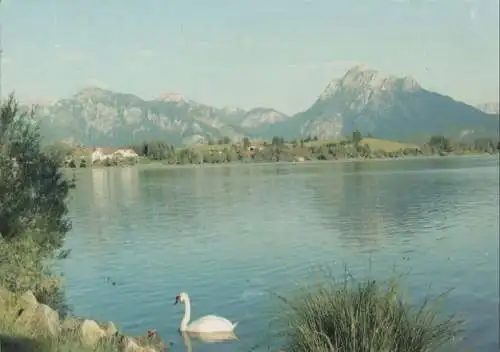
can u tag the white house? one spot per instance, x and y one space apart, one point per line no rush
126 153
100 154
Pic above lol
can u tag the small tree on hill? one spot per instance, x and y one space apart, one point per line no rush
356 137
441 143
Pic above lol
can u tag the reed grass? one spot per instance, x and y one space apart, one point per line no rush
365 316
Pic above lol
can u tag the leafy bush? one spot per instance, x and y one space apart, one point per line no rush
364 317
24 265
33 190
33 208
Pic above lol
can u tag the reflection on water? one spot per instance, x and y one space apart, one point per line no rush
129 177
100 187
230 235
190 338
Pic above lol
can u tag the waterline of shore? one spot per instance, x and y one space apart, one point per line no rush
157 164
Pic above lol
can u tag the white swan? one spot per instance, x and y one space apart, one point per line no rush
206 324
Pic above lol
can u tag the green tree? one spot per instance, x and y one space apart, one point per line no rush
441 143
278 141
59 151
33 190
356 137
484 144
246 142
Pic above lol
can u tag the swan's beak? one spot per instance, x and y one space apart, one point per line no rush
177 300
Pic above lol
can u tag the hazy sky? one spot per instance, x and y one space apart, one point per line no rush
247 53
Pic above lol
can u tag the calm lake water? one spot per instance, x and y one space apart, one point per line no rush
230 235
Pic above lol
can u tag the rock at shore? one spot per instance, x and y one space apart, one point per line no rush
26 324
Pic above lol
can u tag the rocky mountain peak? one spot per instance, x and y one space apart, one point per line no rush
362 78
171 97
260 116
233 110
90 92
362 99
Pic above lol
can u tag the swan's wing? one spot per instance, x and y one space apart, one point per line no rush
212 319
211 323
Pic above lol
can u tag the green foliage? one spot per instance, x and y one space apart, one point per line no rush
246 142
485 144
15 338
356 137
365 151
279 150
58 152
364 317
24 265
33 191
278 141
155 150
33 210
440 143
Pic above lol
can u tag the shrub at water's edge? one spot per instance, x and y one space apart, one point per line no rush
33 189
33 208
24 266
364 316
33 224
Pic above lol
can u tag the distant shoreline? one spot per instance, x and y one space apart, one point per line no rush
157 164
352 149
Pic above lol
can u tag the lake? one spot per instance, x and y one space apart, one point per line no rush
232 235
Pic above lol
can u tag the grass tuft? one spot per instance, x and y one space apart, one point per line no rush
364 317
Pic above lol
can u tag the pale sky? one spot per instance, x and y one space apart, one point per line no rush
246 53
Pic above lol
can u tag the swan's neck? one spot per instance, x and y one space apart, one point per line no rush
187 314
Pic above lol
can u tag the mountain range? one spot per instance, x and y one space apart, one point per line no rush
389 107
